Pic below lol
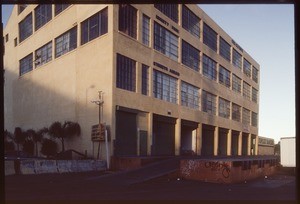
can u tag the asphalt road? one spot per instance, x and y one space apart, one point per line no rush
96 186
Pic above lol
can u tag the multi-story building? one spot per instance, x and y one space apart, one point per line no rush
266 146
173 80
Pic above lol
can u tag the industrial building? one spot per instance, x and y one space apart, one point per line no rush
173 82
266 146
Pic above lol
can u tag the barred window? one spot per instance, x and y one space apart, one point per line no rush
189 95
190 56
43 14
66 42
145 79
164 87
165 41
236 112
128 20
224 108
246 90
209 67
26 64
236 59
246 116
224 76
59 8
170 10
209 37
247 68
224 49
208 103
254 74
25 28
190 21
236 83
254 119
126 69
94 26
146 30
43 54
254 95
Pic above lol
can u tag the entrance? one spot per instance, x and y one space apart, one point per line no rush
222 145
245 144
188 137
207 140
234 143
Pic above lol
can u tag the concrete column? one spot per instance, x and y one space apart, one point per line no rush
177 136
249 144
199 139
150 133
240 143
256 145
229 136
216 141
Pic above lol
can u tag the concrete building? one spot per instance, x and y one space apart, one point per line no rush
173 81
266 146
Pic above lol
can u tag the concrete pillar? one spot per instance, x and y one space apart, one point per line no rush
216 140
199 139
150 133
256 145
229 136
240 143
177 136
249 144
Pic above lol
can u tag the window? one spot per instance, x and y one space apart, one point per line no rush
128 19
126 69
25 28
16 41
60 7
26 64
224 108
190 56
146 30
165 42
209 37
6 38
189 95
170 10
236 112
224 49
254 74
190 21
21 8
208 103
209 68
246 116
246 90
66 42
164 87
43 14
254 119
43 54
236 59
145 79
254 95
236 83
224 76
94 26
247 68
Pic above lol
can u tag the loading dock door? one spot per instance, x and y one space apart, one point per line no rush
222 149
126 133
207 140
143 142
245 144
234 143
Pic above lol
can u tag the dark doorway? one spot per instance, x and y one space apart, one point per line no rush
245 144
143 142
222 144
234 142
188 137
253 144
207 140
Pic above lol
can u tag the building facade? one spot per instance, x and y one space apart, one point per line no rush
172 80
266 146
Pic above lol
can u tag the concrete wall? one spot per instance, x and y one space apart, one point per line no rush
265 150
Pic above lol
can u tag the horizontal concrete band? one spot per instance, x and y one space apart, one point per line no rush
52 166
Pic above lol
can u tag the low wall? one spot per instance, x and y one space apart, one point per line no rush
52 166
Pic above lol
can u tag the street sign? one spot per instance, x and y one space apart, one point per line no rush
98 132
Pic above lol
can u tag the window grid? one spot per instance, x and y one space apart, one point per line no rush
209 37
170 10
246 116
236 83
43 14
189 95
128 20
43 54
21 8
247 68
209 68
224 108
236 112
190 21
126 71
25 28
246 90
164 87
146 30
254 74
145 79
190 56
236 59
224 49
224 76
66 42
26 64
254 95
254 119
59 8
208 103
94 26
165 42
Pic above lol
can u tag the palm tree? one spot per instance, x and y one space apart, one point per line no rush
49 147
38 138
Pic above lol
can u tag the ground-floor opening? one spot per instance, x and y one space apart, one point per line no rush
234 142
188 137
253 144
207 148
222 144
245 143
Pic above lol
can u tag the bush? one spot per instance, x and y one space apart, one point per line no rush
28 147
9 146
49 148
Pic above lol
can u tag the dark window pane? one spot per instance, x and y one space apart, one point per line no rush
43 14
224 76
209 68
66 42
146 30
43 54
128 20
190 21
224 49
208 103
209 37
189 95
26 64
60 7
236 112
236 59
247 68
126 69
145 78
190 56
224 108
236 83
25 28
170 10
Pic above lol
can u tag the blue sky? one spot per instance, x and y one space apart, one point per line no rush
266 32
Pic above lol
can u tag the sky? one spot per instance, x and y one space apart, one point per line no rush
269 39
